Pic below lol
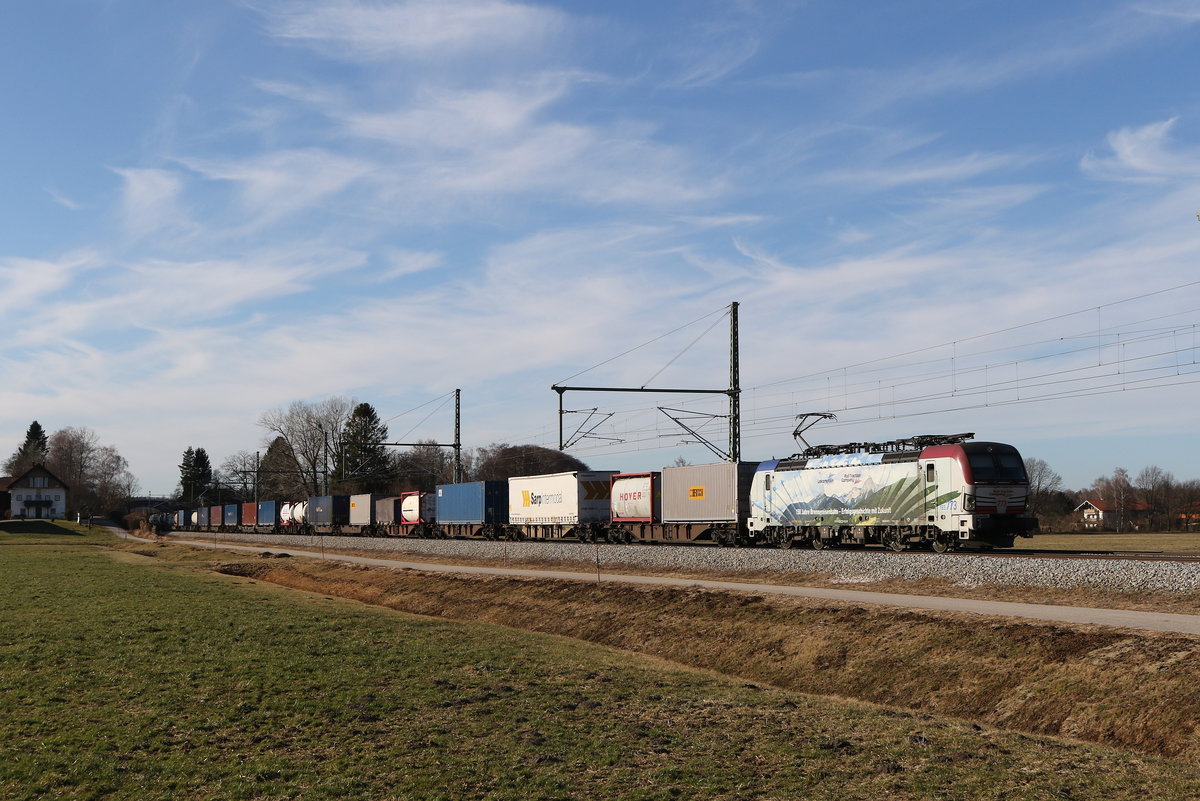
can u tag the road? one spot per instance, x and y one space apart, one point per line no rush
1120 618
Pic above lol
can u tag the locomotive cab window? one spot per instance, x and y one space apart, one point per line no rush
930 473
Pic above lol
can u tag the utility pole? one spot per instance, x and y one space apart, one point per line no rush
734 452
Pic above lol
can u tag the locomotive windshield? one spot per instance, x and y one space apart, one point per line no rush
994 466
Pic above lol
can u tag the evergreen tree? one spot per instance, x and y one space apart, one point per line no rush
362 463
35 450
280 475
203 470
195 474
187 472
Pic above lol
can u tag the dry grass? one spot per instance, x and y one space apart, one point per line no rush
1135 691
1185 603
1152 541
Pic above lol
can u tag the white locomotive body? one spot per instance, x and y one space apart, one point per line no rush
939 491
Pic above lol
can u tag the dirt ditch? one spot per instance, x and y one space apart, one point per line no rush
1132 690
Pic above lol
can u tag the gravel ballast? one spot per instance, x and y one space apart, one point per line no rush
840 566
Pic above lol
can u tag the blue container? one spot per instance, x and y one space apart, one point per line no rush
329 510
231 514
182 518
268 513
478 502
202 516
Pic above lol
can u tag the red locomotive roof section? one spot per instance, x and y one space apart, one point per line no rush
955 452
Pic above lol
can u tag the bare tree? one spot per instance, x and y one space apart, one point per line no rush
241 470
1156 489
313 433
1042 482
73 453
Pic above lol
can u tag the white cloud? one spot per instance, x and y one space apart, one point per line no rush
420 29
407 262
1143 154
149 199
64 201
279 184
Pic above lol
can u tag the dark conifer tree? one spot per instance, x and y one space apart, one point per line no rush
362 463
35 450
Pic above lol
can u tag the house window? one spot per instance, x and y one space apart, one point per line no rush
37 482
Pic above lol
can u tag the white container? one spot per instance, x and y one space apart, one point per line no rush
636 499
417 507
560 498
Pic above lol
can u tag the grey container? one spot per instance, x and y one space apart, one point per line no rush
387 510
707 493
363 511
329 510
202 516
477 502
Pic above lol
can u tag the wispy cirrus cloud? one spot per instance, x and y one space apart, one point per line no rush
149 199
419 29
1143 154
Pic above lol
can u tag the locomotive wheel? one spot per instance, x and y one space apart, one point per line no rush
896 543
787 542
818 544
939 545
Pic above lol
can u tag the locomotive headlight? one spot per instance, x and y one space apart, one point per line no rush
968 503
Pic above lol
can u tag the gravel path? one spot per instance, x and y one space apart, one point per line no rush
1152 621
843 566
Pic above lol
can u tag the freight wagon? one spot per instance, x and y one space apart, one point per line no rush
558 505
705 503
476 509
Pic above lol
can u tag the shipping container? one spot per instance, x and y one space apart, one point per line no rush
707 493
328 510
216 516
201 517
387 510
560 498
249 514
268 513
230 513
475 503
417 507
637 498
182 518
362 510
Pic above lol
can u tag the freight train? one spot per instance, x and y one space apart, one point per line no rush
941 492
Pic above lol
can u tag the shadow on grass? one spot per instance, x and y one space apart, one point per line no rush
35 527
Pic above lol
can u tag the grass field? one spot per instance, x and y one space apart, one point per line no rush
1166 542
127 677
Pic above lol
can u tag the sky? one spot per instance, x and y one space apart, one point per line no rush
935 217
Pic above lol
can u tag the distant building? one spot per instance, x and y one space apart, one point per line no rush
1100 514
38 494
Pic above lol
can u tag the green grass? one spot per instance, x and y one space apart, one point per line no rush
126 678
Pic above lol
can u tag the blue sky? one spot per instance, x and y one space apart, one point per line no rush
211 210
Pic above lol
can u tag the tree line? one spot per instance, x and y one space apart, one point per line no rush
97 475
339 446
1152 500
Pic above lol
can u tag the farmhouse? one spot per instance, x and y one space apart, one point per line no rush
39 494
1101 514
